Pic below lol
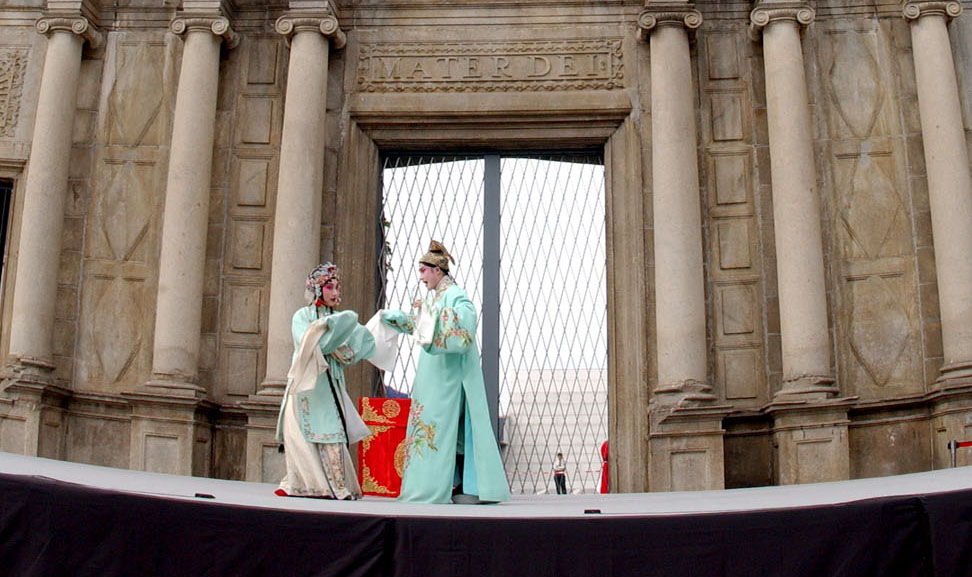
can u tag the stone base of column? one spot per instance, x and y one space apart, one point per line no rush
810 440
163 387
807 388
270 388
32 410
955 375
264 461
685 446
951 412
171 433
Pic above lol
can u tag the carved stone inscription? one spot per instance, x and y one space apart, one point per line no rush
491 66
13 63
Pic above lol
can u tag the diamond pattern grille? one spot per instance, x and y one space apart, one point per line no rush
553 303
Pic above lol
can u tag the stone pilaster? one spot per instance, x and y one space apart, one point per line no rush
309 27
686 435
28 376
804 329
171 427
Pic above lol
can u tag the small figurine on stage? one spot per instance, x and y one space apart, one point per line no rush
560 474
450 450
318 420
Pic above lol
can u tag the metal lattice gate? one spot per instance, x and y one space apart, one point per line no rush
527 233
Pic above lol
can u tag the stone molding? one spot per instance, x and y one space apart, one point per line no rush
915 9
218 25
768 13
667 14
71 23
326 24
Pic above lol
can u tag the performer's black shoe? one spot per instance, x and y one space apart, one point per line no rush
464 499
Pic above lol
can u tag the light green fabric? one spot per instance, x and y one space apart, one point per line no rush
345 342
449 390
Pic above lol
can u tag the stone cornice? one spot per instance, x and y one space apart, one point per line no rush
323 23
658 14
770 12
75 24
218 25
914 10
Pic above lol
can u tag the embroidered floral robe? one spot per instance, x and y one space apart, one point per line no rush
345 342
448 392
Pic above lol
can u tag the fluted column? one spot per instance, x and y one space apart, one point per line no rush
184 226
796 212
679 284
949 186
35 284
297 215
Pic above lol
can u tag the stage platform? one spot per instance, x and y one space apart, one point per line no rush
60 518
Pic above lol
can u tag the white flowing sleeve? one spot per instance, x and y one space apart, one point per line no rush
386 343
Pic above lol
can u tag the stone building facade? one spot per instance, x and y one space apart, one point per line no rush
789 215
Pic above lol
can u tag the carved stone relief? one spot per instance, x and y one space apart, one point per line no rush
491 66
876 314
121 237
734 256
13 64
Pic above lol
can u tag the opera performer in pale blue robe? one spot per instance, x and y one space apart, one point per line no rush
449 416
318 420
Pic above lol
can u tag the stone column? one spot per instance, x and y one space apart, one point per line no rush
29 375
804 330
810 435
171 428
297 215
683 420
45 190
950 199
679 284
182 260
949 186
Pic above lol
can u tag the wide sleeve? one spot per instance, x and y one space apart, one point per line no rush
454 327
359 346
340 327
399 320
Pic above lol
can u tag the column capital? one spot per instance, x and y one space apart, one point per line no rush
218 25
915 9
767 13
321 22
657 14
74 23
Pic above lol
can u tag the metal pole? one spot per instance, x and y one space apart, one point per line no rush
491 287
953 449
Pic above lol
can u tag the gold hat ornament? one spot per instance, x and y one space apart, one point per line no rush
437 256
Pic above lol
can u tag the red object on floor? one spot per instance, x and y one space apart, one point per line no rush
381 456
281 493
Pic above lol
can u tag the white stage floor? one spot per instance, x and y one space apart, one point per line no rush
522 506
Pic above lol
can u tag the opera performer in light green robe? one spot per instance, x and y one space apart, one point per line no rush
449 415
318 420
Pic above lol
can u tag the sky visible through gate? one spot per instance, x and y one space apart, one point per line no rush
553 329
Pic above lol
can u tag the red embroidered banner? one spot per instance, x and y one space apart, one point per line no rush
382 454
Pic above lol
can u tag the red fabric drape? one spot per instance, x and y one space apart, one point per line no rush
381 455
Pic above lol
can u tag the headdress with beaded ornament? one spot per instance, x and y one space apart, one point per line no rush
437 256
321 275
